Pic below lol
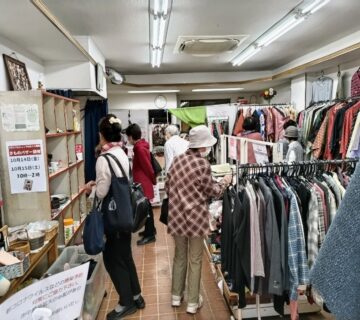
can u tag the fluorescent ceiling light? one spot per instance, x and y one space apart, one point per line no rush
245 55
272 36
153 91
287 23
314 6
159 21
217 89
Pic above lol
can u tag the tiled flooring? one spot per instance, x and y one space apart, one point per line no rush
153 263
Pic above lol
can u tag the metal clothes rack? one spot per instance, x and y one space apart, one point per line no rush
287 169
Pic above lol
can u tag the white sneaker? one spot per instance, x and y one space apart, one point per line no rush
176 301
193 307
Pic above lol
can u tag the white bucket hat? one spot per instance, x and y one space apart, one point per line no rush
201 137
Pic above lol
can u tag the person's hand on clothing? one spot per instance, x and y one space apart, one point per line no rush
88 187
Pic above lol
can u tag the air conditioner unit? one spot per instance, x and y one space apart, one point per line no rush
204 46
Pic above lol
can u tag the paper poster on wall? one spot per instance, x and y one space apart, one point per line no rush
233 149
60 295
79 151
26 166
260 153
20 117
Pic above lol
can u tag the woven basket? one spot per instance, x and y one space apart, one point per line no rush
22 246
16 270
50 233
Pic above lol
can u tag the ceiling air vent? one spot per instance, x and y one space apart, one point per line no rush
208 45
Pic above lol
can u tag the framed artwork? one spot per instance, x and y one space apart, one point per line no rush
19 78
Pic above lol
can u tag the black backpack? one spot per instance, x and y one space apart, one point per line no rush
125 207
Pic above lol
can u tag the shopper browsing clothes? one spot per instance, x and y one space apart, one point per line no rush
174 145
189 186
284 141
144 174
295 152
249 126
117 255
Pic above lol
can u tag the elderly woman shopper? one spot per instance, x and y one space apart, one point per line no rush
190 186
117 255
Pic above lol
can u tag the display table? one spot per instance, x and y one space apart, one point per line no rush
50 249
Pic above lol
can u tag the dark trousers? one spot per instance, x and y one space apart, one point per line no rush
150 224
120 265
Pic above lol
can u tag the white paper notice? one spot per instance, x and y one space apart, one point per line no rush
62 293
26 166
20 117
260 153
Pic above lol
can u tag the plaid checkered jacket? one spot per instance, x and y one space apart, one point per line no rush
189 186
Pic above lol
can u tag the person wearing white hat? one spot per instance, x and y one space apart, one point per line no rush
189 186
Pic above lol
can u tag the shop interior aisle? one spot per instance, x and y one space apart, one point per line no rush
154 263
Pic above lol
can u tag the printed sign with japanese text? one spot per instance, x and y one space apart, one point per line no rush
62 294
26 166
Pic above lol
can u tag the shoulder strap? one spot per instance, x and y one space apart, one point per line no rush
117 162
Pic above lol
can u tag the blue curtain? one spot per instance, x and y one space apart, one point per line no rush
94 111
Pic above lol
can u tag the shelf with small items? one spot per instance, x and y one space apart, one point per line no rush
77 229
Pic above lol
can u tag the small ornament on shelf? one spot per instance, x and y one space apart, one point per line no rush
268 94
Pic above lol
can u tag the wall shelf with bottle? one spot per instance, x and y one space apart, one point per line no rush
60 134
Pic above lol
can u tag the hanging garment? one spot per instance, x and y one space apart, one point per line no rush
334 274
322 89
355 84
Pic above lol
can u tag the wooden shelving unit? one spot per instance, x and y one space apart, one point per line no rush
59 139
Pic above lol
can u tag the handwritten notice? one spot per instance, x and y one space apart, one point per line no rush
62 294
20 117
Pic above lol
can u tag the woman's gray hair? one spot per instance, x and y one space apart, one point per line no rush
172 130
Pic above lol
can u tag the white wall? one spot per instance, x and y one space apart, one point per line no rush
34 66
138 101
298 92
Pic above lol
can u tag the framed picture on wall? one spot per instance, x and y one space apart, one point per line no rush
18 76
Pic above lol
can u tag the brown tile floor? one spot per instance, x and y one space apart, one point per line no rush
153 264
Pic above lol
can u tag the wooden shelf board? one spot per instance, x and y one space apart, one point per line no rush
77 195
73 165
62 210
56 135
49 94
57 173
75 233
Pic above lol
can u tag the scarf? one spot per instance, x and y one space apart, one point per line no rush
110 145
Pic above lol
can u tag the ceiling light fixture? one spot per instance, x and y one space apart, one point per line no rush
159 13
217 89
290 21
153 91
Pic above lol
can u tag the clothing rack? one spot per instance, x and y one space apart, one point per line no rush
264 105
259 309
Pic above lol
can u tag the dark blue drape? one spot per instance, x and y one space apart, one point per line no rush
94 111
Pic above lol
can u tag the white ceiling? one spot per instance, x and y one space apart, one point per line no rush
121 30
24 25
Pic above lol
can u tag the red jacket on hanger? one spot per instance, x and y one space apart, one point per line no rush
143 171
